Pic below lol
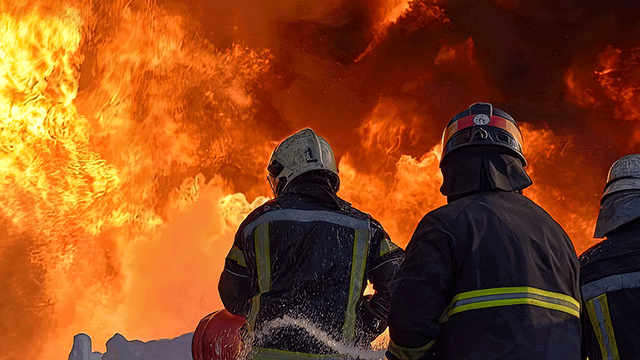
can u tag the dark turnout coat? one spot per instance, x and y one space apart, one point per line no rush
305 257
488 276
610 283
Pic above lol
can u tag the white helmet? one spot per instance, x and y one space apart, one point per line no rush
620 202
301 152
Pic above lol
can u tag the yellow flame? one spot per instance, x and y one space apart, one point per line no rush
48 169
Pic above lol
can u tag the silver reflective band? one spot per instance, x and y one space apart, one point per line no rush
306 216
610 283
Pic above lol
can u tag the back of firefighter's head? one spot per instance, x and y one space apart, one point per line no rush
472 140
620 203
301 153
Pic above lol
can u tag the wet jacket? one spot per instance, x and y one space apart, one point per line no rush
610 283
489 276
305 258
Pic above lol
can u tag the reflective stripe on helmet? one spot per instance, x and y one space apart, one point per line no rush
506 296
598 309
307 216
358 264
494 120
610 283
405 353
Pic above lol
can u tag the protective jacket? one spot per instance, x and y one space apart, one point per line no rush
610 283
489 276
302 260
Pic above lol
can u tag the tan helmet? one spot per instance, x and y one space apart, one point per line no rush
301 152
620 203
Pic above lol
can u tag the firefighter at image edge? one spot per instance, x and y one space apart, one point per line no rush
306 256
610 270
490 275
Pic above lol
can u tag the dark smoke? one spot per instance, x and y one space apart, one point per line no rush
520 52
332 67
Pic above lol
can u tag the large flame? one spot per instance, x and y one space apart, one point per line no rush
134 137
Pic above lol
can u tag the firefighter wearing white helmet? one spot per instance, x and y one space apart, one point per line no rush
301 261
301 152
610 270
490 275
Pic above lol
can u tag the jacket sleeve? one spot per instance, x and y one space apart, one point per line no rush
421 290
384 260
235 283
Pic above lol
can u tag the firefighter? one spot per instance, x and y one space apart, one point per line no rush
490 275
610 270
300 263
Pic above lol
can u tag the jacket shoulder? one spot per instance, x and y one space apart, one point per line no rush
270 205
345 209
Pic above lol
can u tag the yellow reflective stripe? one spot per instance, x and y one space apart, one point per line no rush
405 353
609 326
513 290
263 269
263 257
358 264
386 246
596 327
237 255
269 354
508 302
598 309
253 313
525 295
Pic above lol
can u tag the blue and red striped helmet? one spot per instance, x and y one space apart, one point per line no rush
482 124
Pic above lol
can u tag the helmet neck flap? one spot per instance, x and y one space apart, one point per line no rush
482 151
481 168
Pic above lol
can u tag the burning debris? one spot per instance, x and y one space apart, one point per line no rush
126 122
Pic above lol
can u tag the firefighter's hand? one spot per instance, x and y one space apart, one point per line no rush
369 325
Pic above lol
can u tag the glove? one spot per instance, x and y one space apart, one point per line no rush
369 324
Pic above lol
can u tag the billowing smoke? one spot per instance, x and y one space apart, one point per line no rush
136 133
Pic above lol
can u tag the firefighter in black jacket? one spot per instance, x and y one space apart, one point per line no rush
490 275
301 261
610 271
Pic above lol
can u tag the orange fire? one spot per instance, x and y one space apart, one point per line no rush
132 147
